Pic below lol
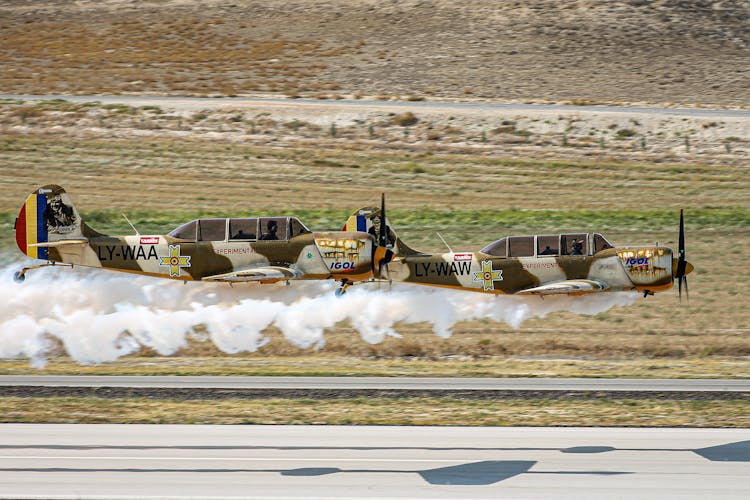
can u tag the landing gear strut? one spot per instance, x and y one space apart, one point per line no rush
345 283
20 276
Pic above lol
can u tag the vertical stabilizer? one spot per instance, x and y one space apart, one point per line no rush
47 216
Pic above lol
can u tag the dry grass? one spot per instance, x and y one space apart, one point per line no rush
392 364
465 196
133 55
405 119
525 50
308 175
379 411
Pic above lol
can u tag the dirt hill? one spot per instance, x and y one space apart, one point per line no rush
585 50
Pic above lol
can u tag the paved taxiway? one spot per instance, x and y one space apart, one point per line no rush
393 383
141 461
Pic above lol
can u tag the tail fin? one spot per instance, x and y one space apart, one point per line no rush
48 216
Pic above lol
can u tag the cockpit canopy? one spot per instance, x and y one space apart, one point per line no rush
544 245
252 229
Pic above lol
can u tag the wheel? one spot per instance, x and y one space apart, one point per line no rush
19 277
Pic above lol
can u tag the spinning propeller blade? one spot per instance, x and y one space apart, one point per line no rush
687 295
682 270
382 235
384 254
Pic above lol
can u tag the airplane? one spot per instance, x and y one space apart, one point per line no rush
545 264
230 250
272 249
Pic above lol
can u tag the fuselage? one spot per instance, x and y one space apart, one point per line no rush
336 255
274 248
615 269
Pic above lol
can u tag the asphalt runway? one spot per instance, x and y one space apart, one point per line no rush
391 383
331 462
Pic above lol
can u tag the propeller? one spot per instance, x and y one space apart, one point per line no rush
383 254
383 234
683 266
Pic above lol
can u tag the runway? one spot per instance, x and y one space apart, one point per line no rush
295 462
322 388
384 383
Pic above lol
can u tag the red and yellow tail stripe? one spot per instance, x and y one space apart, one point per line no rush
31 227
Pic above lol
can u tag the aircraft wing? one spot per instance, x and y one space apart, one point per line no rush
263 274
575 287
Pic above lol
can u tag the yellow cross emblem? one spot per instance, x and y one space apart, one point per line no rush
488 276
175 261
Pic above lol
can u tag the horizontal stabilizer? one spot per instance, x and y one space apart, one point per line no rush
59 243
266 274
575 287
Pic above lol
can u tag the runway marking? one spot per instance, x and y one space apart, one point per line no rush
244 459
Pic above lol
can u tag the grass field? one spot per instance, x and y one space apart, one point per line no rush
398 361
587 52
196 175
472 178
470 198
380 411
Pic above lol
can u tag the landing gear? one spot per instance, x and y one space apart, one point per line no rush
20 276
646 293
345 283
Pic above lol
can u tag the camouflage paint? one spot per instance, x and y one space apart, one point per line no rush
49 227
328 255
611 269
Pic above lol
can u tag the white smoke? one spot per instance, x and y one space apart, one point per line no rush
99 315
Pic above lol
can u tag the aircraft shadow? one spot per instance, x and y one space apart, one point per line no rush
470 474
731 452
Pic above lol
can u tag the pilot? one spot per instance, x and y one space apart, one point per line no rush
272 226
577 247
375 231
547 251
241 235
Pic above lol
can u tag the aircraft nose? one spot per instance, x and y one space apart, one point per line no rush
688 267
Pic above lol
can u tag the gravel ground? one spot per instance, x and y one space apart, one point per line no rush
659 51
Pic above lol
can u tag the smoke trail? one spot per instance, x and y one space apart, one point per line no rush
99 316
